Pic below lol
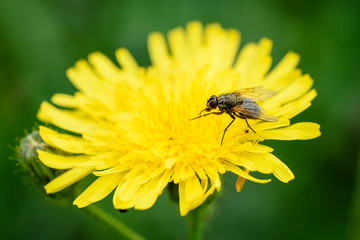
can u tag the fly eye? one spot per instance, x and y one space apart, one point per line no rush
212 104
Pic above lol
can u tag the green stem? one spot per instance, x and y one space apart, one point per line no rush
114 223
195 223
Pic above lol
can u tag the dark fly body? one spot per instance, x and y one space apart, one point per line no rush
241 104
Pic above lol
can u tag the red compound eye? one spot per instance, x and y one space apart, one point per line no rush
212 104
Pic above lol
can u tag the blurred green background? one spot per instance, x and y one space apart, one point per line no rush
40 39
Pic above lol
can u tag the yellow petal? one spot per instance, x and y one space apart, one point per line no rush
187 172
104 67
201 173
277 84
164 180
83 78
259 148
183 204
177 172
264 163
195 32
231 47
126 190
297 131
98 190
116 169
286 65
262 126
253 62
292 109
149 195
119 203
178 44
64 100
240 181
66 142
170 162
65 119
66 179
105 160
213 176
215 39
61 161
232 168
219 166
297 88
126 60
192 188
157 50
281 171
129 190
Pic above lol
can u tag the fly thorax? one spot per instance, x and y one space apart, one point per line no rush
222 103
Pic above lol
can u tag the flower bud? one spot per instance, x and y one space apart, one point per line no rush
37 172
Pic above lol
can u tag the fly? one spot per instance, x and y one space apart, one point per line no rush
241 104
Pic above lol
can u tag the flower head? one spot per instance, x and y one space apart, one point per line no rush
130 126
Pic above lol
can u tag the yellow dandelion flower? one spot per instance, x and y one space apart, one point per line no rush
131 124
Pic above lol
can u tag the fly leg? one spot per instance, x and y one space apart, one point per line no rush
249 125
233 119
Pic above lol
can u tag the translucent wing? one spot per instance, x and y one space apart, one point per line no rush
251 110
255 93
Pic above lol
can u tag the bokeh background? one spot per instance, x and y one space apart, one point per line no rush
40 39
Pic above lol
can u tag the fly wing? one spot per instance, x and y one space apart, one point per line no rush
252 111
267 118
255 93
